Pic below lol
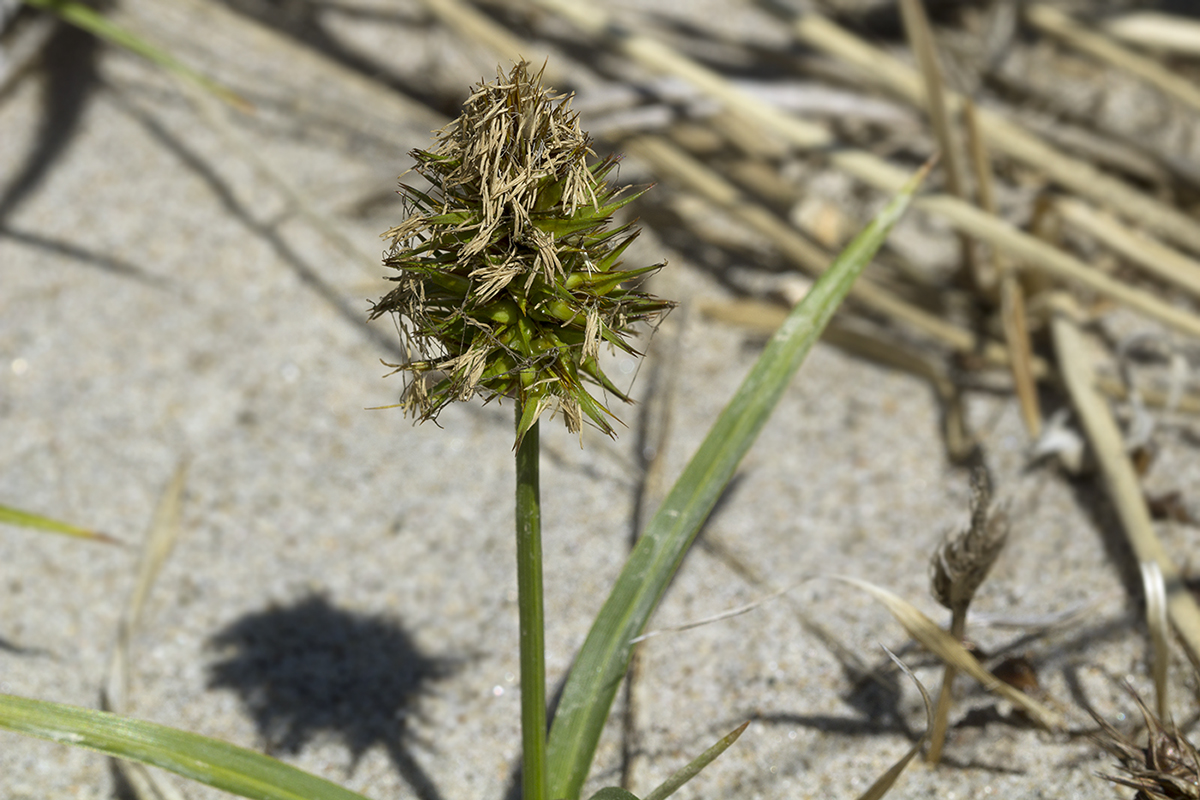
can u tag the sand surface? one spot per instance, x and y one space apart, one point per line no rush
343 594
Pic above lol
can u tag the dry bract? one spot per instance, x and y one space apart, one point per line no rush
1167 768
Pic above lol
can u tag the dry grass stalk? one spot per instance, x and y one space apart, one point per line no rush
1156 621
888 779
931 636
764 318
1167 33
1045 258
660 57
747 137
1167 768
1120 478
1006 136
1054 22
1012 297
1152 396
671 162
1151 255
957 569
474 26
920 38
883 175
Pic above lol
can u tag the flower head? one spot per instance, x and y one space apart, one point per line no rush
1167 768
509 274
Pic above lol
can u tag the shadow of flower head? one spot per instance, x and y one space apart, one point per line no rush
310 669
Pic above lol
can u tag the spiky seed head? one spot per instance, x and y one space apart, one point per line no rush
509 272
1167 768
962 561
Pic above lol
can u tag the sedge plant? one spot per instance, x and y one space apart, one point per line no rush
509 282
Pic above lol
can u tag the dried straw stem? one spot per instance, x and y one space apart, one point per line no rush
1054 22
1036 253
1166 33
1012 297
1124 489
1151 255
670 161
920 38
1007 137
883 175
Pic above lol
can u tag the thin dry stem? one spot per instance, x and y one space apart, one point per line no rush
672 162
1012 297
1120 478
920 38
1165 33
877 172
1006 136
1054 22
1150 254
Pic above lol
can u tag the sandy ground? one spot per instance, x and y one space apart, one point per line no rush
343 592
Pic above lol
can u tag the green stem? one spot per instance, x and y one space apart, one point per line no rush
532 617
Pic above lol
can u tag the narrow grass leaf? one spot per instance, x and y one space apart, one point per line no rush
26 519
209 761
885 782
672 784
604 658
95 23
937 641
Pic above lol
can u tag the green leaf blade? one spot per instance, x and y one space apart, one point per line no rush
27 519
209 761
95 23
693 768
604 657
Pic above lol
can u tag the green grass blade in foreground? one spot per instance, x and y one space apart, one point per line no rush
26 519
672 784
95 23
209 761
604 658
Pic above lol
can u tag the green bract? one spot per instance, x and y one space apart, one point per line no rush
509 273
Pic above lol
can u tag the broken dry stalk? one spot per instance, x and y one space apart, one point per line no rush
1012 296
957 569
920 38
1165 263
1006 136
1054 22
1120 479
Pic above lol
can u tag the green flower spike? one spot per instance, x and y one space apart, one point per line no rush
509 276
